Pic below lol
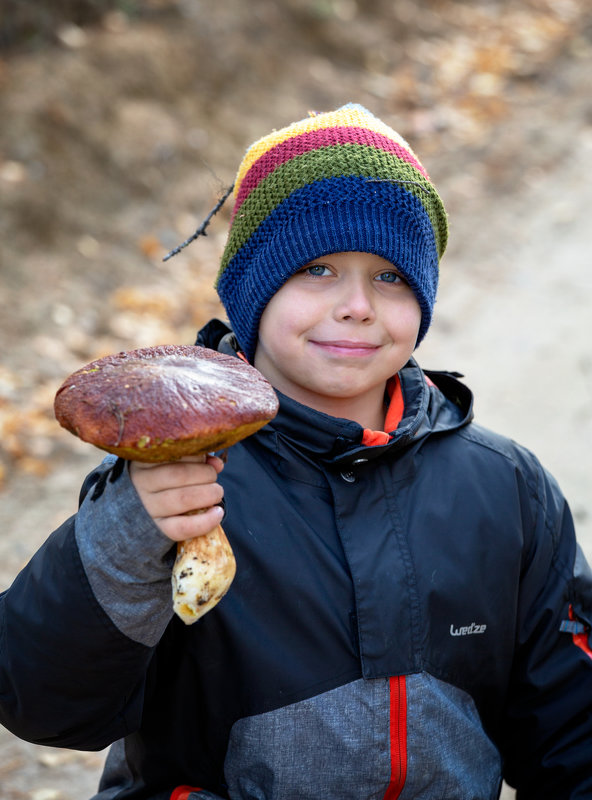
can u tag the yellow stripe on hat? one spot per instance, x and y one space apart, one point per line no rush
349 116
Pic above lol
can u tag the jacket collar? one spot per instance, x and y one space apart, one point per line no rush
434 403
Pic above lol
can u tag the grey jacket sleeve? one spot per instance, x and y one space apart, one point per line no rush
126 558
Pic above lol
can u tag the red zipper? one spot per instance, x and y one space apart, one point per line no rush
398 736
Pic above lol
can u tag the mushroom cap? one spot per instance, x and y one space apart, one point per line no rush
162 403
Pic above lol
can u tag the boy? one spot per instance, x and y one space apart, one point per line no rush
410 616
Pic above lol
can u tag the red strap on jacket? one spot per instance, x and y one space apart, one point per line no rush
183 792
580 637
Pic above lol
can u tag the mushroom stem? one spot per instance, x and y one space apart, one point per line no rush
206 562
202 573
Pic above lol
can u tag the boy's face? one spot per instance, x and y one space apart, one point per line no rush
336 332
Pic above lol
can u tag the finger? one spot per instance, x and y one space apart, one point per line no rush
181 528
216 462
210 458
182 499
162 477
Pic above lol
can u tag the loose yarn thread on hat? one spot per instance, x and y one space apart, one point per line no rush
333 182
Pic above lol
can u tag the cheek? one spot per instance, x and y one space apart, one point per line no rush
284 316
407 319
271 326
275 330
414 317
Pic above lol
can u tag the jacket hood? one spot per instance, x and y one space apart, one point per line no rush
435 403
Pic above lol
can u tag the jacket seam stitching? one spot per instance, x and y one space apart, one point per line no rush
410 571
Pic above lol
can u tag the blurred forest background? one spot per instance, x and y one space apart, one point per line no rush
122 122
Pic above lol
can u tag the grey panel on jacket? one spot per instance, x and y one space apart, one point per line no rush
445 720
336 746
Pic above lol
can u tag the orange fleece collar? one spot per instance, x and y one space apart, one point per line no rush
394 415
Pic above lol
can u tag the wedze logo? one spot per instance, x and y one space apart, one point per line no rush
468 630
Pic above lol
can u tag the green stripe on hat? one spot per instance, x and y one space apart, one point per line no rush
333 162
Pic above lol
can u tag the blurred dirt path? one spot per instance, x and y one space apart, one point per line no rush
514 315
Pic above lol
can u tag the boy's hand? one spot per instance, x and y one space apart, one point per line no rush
168 491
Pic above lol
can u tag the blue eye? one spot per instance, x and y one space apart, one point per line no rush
316 269
390 277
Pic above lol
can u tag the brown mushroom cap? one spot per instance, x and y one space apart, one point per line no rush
163 403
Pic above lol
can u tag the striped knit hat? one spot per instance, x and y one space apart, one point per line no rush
336 182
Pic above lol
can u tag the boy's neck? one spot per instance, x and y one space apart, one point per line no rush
368 410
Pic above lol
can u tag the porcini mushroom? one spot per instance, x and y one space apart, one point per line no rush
159 404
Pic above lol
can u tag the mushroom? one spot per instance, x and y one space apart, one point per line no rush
158 404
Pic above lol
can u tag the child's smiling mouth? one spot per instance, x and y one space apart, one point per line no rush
345 347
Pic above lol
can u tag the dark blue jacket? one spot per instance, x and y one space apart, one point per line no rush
408 620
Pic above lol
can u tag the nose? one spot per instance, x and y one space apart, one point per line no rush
354 302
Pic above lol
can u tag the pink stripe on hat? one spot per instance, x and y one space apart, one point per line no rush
312 140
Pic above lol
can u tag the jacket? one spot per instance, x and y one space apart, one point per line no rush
408 620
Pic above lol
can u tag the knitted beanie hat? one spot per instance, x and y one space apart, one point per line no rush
335 182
